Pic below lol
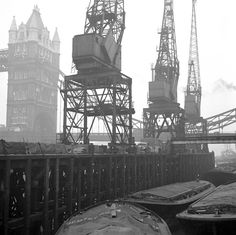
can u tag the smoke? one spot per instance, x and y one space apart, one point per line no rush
222 85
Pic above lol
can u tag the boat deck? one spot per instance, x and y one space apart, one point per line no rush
115 218
176 193
220 205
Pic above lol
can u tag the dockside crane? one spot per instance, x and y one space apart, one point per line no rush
105 25
166 72
194 90
195 124
164 118
99 90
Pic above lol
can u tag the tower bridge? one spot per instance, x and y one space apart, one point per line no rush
32 63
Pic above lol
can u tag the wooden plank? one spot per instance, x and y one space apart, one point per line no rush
127 175
91 183
154 170
124 168
7 195
56 193
145 171
99 167
135 173
70 185
28 196
36 217
163 169
79 184
115 178
110 188
46 188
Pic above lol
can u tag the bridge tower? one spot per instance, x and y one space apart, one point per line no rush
98 90
164 119
32 62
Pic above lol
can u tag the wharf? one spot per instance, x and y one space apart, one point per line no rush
38 192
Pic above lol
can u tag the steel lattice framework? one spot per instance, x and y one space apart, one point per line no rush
219 121
196 128
195 124
211 124
156 123
164 114
193 92
99 90
104 17
167 64
105 96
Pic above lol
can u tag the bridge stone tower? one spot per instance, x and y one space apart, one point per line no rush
33 71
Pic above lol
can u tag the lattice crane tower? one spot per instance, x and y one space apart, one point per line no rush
193 91
99 90
164 117
195 124
167 64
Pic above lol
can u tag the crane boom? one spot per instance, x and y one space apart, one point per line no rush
104 17
166 71
103 31
193 91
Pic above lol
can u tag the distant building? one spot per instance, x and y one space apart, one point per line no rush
33 73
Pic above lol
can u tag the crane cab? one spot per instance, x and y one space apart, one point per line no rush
91 51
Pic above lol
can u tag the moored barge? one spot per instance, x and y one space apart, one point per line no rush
213 214
168 200
114 218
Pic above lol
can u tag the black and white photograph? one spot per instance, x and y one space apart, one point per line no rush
117 117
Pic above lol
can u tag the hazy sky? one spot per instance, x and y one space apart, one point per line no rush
216 34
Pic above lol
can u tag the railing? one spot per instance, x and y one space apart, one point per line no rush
217 138
38 192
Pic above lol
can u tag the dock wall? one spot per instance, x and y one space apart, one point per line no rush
38 192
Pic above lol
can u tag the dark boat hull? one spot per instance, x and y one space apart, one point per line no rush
116 218
214 214
169 200
200 227
219 177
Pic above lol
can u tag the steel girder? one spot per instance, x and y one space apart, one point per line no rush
165 116
157 122
219 121
105 96
194 81
104 17
193 129
167 64
197 127
210 124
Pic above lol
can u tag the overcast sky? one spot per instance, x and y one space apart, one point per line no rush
216 21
